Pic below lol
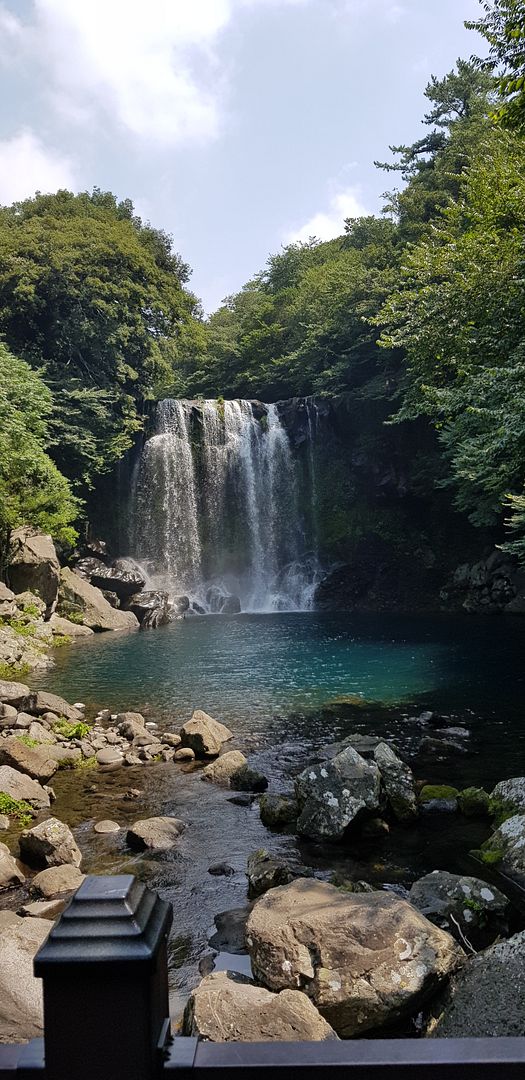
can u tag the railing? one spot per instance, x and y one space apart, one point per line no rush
105 979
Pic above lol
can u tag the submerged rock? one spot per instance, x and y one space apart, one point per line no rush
227 1007
332 794
465 906
365 960
204 735
439 797
487 999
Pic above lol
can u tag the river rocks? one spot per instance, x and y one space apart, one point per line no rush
185 753
33 565
487 999
365 960
204 735
76 595
35 762
123 577
170 739
505 849
41 734
474 802
49 844
8 604
439 797
130 725
106 826
61 626
21 788
398 782
278 811
21 1014
66 757
57 881
265 872
222 602
331 795
224 768
508 797
156 834
227 1007
8 715
465 906
248 779
10 872
109 756
43 702
44 909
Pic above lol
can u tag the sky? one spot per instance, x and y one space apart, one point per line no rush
235 125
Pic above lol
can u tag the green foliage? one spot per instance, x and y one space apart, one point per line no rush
76 617
95 300
32 490
13 672
69 730
25 629
503 28
85 763
437 791
28 741
16 808
59 640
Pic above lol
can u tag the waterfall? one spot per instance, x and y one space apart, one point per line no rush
219 508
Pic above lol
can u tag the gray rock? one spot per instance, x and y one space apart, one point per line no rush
7 715
65 756
227 1007
487 999
35 762
44 909
365 960
49 844
130 725
184 753
77 595
505 849
21 1013
398 782
57 881
21 787
332 794
64 627
465 906
278 811
509 795
266 872
14 693
4 822
221 869
10 872
106 826
34 565
224 768
204 735
109 756
170 739
42 702
23 722
156 834
41 734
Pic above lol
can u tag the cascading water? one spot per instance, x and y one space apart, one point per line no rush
217 507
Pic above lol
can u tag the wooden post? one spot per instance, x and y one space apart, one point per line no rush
105 974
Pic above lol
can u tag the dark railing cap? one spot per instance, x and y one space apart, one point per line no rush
111 920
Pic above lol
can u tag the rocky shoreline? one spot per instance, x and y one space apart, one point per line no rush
329 960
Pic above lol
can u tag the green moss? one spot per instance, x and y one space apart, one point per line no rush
32 610
474 802
75 617
24 629
70 731
85 763
28 741
502 811
473 905
59 640
12 672
489 857
437 791
16 808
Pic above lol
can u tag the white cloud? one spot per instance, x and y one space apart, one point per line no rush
388 10
326 224
26 166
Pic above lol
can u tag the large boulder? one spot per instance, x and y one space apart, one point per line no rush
152 608
505 849
465 906
21 1013
131 725
278 811
204 735
155 834
123 577
331 795
65 628
22 789
223 770
227 1007
34 565
14 693
10 872
366 960
49 844
57 881
398 782
508 796
78 596
43 702
488 996
35 762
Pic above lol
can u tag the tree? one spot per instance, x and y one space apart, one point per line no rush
32 490
96 301
503 27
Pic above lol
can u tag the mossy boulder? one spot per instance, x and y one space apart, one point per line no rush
439 797
474 802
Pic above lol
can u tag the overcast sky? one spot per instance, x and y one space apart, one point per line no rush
236 125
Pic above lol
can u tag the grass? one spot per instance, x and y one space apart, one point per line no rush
28 741
85 763
63 727
13 672
75 617
16 808
59 640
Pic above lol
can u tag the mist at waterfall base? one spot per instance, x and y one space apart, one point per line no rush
224 511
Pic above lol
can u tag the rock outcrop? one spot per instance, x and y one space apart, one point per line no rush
366 960
505 849
77 596
226 1007
34 565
